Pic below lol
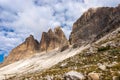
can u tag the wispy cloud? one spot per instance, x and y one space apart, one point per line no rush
20 18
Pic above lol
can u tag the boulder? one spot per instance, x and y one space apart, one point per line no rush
101 66
116 77
94 76
73 75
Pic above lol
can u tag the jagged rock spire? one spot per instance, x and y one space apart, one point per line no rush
52 40
24 50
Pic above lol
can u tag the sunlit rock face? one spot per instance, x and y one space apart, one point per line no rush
52 39
25 50
49 41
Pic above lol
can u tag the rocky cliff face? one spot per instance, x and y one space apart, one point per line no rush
53 39
24 50
50 40
94 24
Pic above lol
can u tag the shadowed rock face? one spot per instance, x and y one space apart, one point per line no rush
51 40
94 24
24 50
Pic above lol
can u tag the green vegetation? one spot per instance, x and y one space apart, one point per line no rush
103 48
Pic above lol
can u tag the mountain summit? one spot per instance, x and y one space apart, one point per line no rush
94 24
25 50
49 41
53 39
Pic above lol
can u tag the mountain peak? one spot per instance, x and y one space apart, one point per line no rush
50 31
31 43
52 40
24 50
29 38
94 24
57 28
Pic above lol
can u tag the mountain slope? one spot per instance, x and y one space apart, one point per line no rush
38 62
101 57
25 50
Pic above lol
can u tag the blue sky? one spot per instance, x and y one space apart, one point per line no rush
20 18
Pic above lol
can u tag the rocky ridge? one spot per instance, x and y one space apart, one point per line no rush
51 40
94 24
25 50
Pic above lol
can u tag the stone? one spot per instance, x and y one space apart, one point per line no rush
73 75
94 76
112 64
116 77
63 65
101 66
48 77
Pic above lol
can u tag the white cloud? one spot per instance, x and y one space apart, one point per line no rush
27 17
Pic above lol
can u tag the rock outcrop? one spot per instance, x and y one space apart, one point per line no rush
51 40
73 75
94 76
94 24
30 46
24 50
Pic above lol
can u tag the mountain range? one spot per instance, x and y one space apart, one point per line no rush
93 44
